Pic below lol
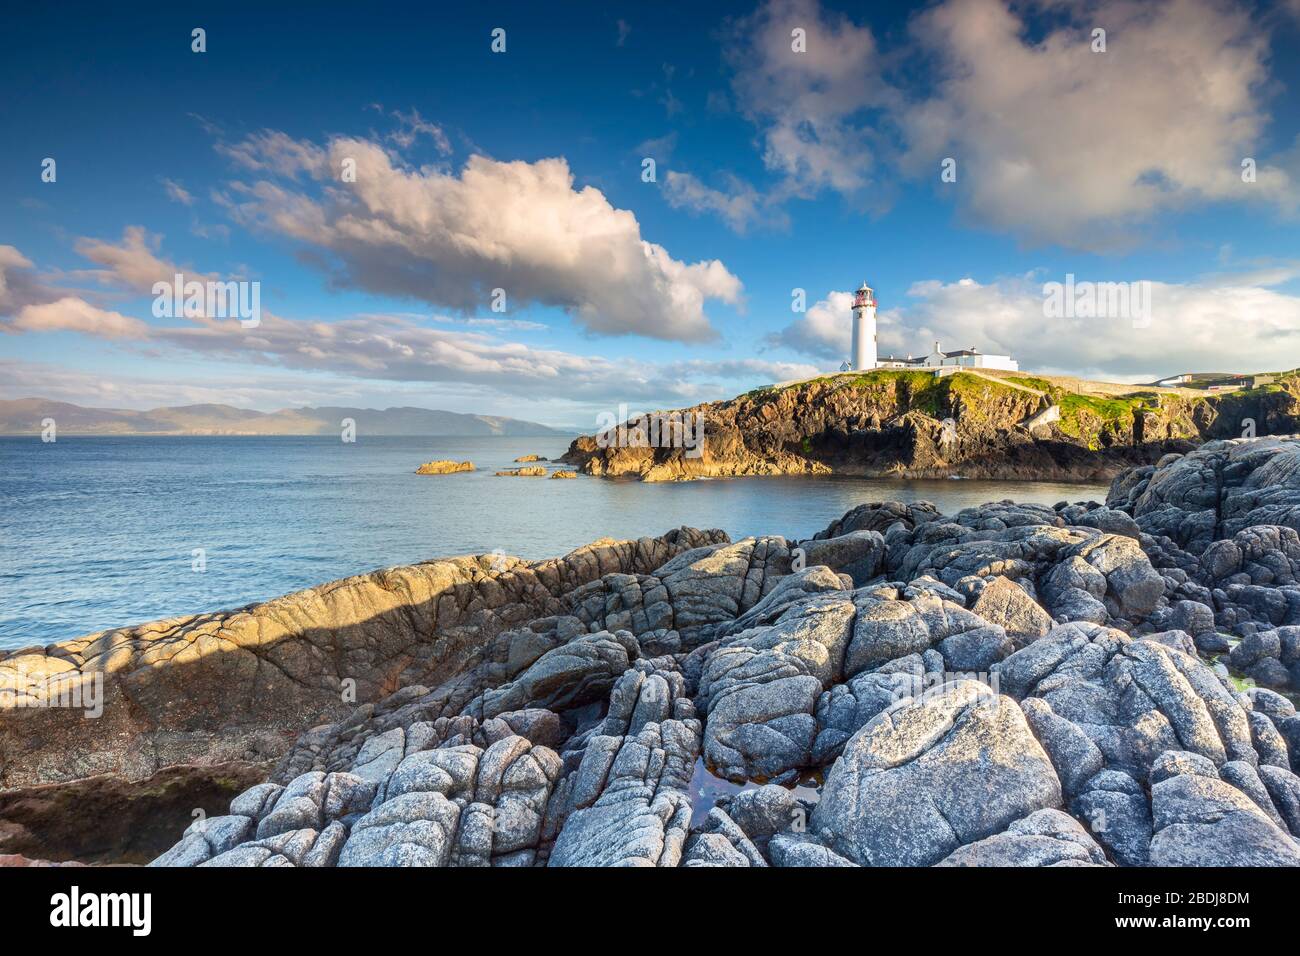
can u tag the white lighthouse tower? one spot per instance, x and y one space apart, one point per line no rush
864 329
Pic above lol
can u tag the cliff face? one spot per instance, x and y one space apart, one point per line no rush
911 424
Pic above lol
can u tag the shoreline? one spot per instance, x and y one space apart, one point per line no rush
353 680
256 516
238 605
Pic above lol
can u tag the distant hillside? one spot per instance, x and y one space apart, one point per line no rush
23 416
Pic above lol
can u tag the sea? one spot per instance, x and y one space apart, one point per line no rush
102 532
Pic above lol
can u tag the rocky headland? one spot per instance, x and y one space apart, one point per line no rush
973 423
1089 684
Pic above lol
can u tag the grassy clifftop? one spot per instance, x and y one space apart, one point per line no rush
1095 413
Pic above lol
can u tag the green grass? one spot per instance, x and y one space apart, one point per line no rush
1268 389
1042 384
921 391
1107 409
1085 417
1241 683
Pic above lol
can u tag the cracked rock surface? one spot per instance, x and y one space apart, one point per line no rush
1014 685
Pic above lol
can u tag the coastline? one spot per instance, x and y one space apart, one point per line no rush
495 652
200 693
260 508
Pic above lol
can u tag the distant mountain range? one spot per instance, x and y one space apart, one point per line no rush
23 416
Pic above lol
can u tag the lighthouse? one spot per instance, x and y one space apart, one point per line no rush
864 329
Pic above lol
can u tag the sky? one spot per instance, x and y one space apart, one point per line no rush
549 211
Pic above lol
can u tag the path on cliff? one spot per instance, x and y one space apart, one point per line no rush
1011 382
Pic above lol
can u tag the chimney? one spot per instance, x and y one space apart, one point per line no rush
936 346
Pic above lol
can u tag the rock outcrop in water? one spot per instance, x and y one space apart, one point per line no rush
911 423
1010 685
444 466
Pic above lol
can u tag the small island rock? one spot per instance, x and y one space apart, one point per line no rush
444 467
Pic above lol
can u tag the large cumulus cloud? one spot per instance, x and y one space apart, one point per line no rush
449 239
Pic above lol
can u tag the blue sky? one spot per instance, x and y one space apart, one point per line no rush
776 169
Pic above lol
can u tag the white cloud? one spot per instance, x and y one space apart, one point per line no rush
817 110
277 153
660 148
396 348
177 193
810 106
500 325
399 349
707 377
1222 323
134 261
1057 143
28 305
17 285
823 331
72 314
449 240
739 205
412 126
1053 142
99 389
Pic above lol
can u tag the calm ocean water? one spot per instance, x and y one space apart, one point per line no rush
100 532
